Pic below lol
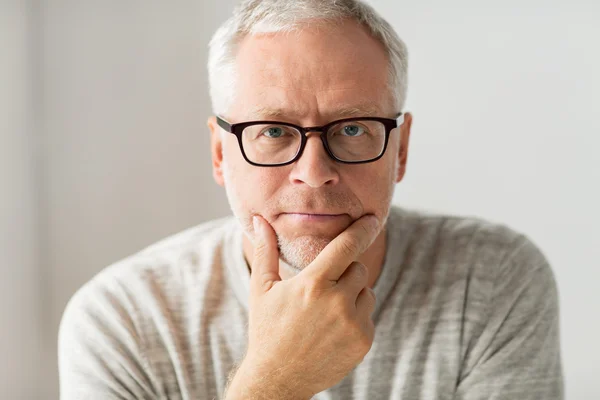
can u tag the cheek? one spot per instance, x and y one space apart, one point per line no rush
374 185
252 186
370 187
260 185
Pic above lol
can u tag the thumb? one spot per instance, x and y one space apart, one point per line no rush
265 265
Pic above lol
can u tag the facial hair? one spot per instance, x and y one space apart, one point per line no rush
295 252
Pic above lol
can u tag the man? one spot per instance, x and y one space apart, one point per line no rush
316 288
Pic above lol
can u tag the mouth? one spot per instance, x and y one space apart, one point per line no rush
312 217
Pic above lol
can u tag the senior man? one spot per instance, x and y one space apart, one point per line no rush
316 287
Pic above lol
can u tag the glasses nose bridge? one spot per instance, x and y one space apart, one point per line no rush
320 129
322 134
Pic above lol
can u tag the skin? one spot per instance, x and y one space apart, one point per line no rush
330 72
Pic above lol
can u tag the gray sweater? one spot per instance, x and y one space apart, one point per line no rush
466 309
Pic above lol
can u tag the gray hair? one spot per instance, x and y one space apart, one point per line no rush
270 16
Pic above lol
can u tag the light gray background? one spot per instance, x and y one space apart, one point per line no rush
104 147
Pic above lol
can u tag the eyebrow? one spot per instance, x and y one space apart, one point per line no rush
364 110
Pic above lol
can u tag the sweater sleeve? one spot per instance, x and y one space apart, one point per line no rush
517 353
100 351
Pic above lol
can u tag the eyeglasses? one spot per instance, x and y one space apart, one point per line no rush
350 140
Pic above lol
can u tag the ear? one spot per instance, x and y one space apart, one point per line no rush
216 149
403 149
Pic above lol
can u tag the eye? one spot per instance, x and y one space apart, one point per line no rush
273 132
352 130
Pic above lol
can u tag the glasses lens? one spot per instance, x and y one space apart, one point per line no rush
356 140
271 144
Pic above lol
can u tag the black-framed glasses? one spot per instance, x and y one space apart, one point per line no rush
350 140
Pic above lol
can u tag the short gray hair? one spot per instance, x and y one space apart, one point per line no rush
270 16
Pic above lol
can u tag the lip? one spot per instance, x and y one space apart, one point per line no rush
313 217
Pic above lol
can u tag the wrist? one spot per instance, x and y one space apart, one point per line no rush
252 382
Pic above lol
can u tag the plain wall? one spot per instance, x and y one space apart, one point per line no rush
20 327
504 99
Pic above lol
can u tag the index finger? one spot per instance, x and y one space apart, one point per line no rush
331 263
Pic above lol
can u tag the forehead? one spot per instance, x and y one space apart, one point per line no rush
317 72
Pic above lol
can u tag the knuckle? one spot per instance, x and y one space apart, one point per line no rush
365 228
311 288
365 342
364 293
361 270
349 326
368 300
359 274
362 340
372 304
372 294
349 246
259 249
344 311
339 305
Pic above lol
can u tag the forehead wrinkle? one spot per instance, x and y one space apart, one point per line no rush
291 103
266 112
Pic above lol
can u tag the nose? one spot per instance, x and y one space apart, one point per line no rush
314 167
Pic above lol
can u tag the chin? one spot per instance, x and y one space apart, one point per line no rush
300 251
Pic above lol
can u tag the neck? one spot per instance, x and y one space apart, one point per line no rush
372 258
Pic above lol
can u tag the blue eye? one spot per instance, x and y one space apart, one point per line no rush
353 130
273 132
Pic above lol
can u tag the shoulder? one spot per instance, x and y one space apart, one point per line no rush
168 257
498 259
110 324
448 227
160 272
464 237
489 257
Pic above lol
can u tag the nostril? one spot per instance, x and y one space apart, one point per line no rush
314 172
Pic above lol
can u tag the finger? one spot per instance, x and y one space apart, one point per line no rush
365 302
265 264
353 280
331 263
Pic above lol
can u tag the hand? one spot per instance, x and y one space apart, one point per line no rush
307 332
